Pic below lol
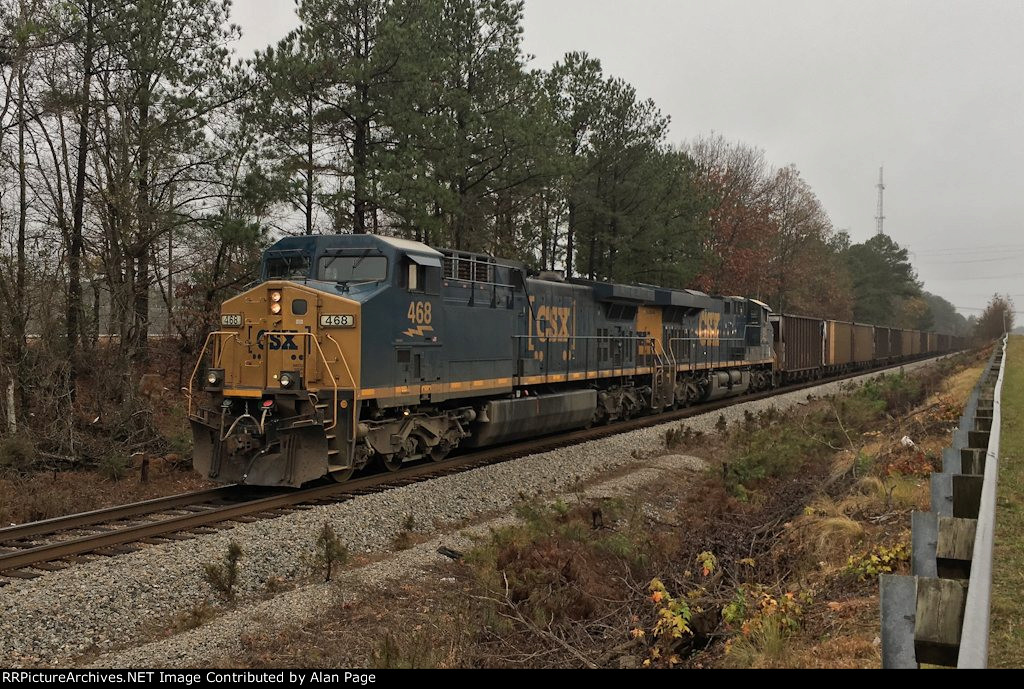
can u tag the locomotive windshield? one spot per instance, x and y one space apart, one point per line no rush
286 265
352 268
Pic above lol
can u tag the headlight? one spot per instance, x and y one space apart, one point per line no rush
275 301
215 378
289 380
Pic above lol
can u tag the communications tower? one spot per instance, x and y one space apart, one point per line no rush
880 216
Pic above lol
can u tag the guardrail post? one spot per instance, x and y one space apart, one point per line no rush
950 462
942 494
939 617
899 603
924 537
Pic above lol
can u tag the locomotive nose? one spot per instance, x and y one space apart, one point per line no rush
286 363
288 338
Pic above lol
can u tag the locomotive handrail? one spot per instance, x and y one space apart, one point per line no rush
199 361
351 378
334 379
548 338
717 348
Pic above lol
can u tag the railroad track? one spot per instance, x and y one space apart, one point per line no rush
29 550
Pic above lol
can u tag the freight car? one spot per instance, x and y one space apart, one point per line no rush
799 343
360 348
808 347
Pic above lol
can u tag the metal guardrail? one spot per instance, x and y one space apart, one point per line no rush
939 615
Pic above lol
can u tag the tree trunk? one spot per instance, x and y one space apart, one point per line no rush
19 322
359 204
74 305
309 165
570 237
140 284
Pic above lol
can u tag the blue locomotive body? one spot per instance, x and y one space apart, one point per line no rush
395 351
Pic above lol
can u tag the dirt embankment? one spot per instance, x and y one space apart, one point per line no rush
768 557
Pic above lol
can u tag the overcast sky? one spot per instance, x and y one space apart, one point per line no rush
931 89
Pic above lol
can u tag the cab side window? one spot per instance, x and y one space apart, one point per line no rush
415 278
422 279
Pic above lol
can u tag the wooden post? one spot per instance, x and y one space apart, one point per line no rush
940 617
954 548
967 496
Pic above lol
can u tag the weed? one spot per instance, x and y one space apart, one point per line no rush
680 436
196 616
328 551
276 585
671 627
765 622
863 464
402 541
412 652
113 465
880 559
223 576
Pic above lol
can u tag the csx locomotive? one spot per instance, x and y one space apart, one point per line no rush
360 348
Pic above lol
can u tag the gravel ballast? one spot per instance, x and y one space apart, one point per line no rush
222 639
120 602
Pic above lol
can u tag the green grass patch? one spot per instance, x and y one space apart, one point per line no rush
1006 639
774 445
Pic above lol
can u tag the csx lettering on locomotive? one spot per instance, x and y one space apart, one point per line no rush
277 341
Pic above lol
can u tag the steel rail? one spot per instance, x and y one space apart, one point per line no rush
109 514
28 557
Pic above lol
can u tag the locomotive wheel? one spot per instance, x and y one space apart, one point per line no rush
440 451
391 462
342 475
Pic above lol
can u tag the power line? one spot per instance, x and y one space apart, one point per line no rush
980 277
1016 256
972 249
975 308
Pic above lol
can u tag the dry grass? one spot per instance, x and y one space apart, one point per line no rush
557 592
411 624
41 496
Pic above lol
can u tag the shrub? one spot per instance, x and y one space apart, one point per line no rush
329 551
113 465
881 559
770 452
223 576
765 621
17 453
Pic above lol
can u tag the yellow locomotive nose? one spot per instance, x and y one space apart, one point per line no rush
286 364
291 337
